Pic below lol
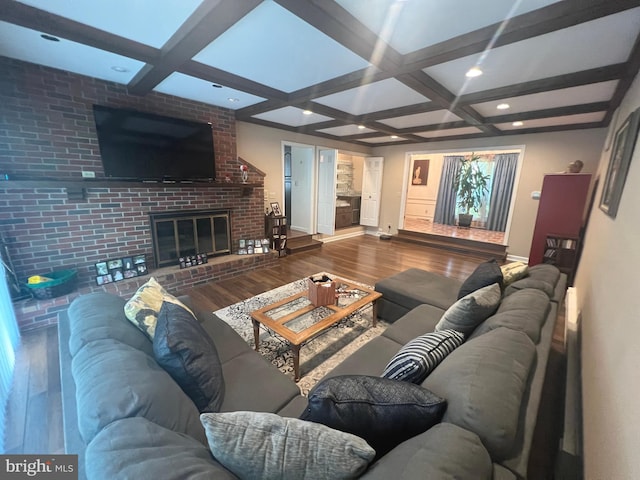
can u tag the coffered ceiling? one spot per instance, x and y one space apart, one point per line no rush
374 72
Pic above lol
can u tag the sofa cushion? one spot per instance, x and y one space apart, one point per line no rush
137 448
442 452
98 316
370 359
420 320
114 380
525 310
143 307
421 355
544 272
513 271
267 446
384 412
187 353
484 382
485 274
528 282
252 383
468 312
414 287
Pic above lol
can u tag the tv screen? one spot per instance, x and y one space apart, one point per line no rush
144 146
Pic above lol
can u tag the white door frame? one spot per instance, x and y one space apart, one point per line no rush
516 182
311 198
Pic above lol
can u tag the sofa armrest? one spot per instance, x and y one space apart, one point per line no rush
73 443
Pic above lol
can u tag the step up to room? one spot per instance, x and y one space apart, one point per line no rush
456 244
300 242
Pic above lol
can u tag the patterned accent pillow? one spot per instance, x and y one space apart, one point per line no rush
268 446
470 311
421 355
143 308
514 271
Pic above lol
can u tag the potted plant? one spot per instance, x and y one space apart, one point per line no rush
471 187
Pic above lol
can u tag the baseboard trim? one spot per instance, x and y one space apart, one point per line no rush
516 258
334 238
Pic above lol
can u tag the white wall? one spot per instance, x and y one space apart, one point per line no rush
609 298
544 153
262 147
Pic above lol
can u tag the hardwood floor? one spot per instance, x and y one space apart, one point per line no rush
34 410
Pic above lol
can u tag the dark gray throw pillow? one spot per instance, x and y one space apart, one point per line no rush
485 274
184 349
382 411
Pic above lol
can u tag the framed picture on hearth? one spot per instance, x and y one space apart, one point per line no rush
139 265
104 279
101 268
621 153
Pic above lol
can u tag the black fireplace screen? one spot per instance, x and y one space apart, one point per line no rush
182 233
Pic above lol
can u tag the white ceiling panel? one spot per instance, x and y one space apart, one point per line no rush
428 118
292 116
303 55
145 22
410 25
25 44
346 130
450 132
185 86
372 97
610 40
555 121
595 92
382 139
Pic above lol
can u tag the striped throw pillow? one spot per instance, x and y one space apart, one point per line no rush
421 355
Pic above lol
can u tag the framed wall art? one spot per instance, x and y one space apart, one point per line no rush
420 174
621 153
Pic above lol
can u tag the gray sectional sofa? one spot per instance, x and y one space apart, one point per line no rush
127 418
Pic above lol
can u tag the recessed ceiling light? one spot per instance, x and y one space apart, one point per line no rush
473 72
216 85
361 127
51 38
517 124
233 100
394 136
503 106
118 69
307 112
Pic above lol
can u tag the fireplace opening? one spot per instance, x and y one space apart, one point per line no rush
180 233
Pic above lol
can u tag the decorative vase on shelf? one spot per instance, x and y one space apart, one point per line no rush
244 171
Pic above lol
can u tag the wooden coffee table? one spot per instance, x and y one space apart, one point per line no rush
297 320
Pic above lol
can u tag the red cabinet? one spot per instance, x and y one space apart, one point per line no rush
560 211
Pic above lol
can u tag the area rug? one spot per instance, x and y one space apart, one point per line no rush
319 355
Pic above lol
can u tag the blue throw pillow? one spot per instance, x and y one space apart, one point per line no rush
383 412
184 349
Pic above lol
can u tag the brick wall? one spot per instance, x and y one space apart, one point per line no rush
47 131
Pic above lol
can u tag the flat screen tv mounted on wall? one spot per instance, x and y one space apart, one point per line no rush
144 146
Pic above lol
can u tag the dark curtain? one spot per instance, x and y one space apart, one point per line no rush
446 203
501 190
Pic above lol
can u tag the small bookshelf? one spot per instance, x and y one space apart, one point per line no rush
276 230
561 251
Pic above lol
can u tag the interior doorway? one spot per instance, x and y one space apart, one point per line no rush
430 204
299 186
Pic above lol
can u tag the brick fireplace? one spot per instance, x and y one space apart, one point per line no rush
48 137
